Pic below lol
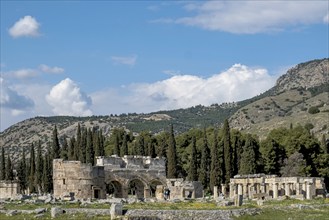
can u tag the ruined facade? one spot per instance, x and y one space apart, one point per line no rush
261 185
9 189
138 176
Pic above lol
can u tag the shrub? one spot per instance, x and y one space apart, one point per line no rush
313 110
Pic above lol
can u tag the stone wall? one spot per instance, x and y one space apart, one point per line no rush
9 189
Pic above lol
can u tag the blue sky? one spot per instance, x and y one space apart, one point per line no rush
101 57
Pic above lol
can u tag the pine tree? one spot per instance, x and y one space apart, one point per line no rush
9 170
31 181
55 144
205 162
227 152
273 156
193 168
3 164
39 168
172 155
21 173
215 171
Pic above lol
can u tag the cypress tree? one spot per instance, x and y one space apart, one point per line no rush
55 144
83 142
47 174
32 170
101 140
193 168
249 157
77 145
124 145
9 169
151 149
3 164
227 152
89 148
21 172
172 155
65 149
140 150
204 166
237 149
215 171
39 168
71 153
116 143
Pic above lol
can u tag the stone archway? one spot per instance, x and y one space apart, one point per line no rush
153 186
114 188
136 188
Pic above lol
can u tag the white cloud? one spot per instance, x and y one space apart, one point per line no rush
23 73
48 69
67 99
128 60
249 17
25 27
172 72
182 91
326 19
11 99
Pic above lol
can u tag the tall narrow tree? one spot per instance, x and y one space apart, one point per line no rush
3 164
193 168
64 150
32 170
124 145
9 169
227 152
172 155
39 168
71 149
77 145
205 162
249 156
215 171
21 172
89 148
55 144
83 142
116 143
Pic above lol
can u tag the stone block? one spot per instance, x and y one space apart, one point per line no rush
55 212
116 210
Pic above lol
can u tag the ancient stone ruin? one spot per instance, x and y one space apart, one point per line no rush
9 189
120 177
261 186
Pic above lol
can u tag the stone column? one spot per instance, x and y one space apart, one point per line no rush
287 189
262 187
245 189
224 189
146 193
309 190
304 189
232 191
275 190
297 189
216 191
240 189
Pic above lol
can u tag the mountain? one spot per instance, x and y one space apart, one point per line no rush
303 88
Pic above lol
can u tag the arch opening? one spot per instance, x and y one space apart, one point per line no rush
114 189
136 188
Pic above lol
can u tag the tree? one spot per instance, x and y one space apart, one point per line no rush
55 144
151 149
32 170
21 173
89 148
65 149
227 152
39 168
83 142
249 157
124 145
172 155
117 143
9 169
215 171
47 181
295 165
273 156
140 150
193 167
237 148
205 162
3 164
71 153
77 145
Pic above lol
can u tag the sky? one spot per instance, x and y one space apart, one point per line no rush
84 58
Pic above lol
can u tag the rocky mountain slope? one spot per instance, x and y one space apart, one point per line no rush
288 102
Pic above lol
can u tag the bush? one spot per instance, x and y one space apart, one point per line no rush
313 110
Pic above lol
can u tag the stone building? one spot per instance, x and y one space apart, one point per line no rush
261 185
9 189
120 177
